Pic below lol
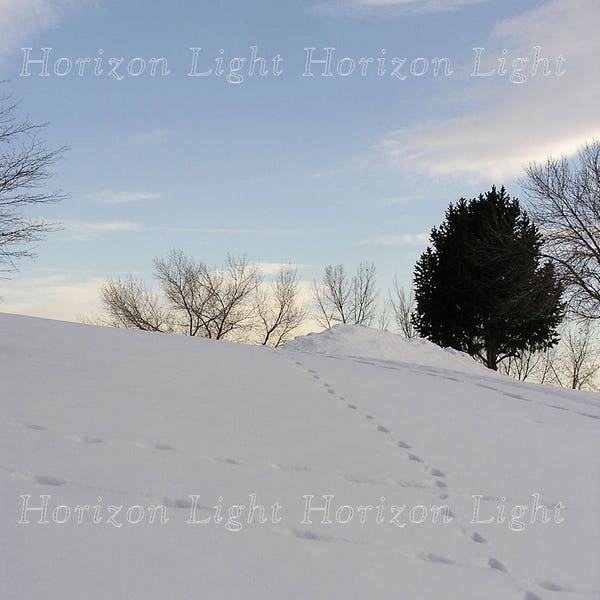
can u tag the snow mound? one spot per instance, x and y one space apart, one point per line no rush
356 341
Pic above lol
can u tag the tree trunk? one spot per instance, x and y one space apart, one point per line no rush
491 354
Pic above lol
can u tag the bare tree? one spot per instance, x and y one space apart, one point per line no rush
25 169
525 365
182 281
565 202
403 305
198 301
384 316
332 297
544 370
233 289
128 303
364 294
340 299
280 313
580 359
211 303
574 363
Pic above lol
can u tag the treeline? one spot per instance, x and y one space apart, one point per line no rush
231 302
517 289
237 302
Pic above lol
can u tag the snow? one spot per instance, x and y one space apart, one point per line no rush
97 416
363 342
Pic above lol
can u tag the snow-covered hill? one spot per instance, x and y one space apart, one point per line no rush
401 441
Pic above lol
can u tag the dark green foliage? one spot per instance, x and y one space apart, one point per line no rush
481 288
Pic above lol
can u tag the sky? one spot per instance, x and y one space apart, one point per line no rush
299 163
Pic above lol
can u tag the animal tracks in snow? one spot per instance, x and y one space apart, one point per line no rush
436 558
39 479
85 439
228 461
308 534
33 426
46 480
437 474
438 481
81 439
496 564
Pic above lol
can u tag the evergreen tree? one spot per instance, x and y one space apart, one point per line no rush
481 287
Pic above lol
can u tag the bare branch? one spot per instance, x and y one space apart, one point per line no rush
565 202
128 303
403 305
341 300
25 169
280 314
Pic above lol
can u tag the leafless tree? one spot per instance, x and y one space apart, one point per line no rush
384 316
574 363
279 312
213 303
340 299
580 358
403 305
128 303
25 169
544 370
364 293
198 301
565 202
525 365
332 297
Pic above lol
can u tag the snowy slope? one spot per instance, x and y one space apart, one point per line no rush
94 416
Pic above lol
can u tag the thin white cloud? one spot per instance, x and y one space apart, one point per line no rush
154 136
20 20
89 231
85 231
236 231
403 239
390 8
114 197
516 123
62 296
272 268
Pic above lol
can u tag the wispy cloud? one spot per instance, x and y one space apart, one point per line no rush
390 8
154 136
113 197
89 231
85 231
63 296
21 19
272 268
516 124
237 231
402 239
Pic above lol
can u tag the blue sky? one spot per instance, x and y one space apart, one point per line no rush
290 168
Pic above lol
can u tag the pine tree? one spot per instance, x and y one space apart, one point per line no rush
481 286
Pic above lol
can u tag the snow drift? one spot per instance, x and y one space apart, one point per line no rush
347 465
354 341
